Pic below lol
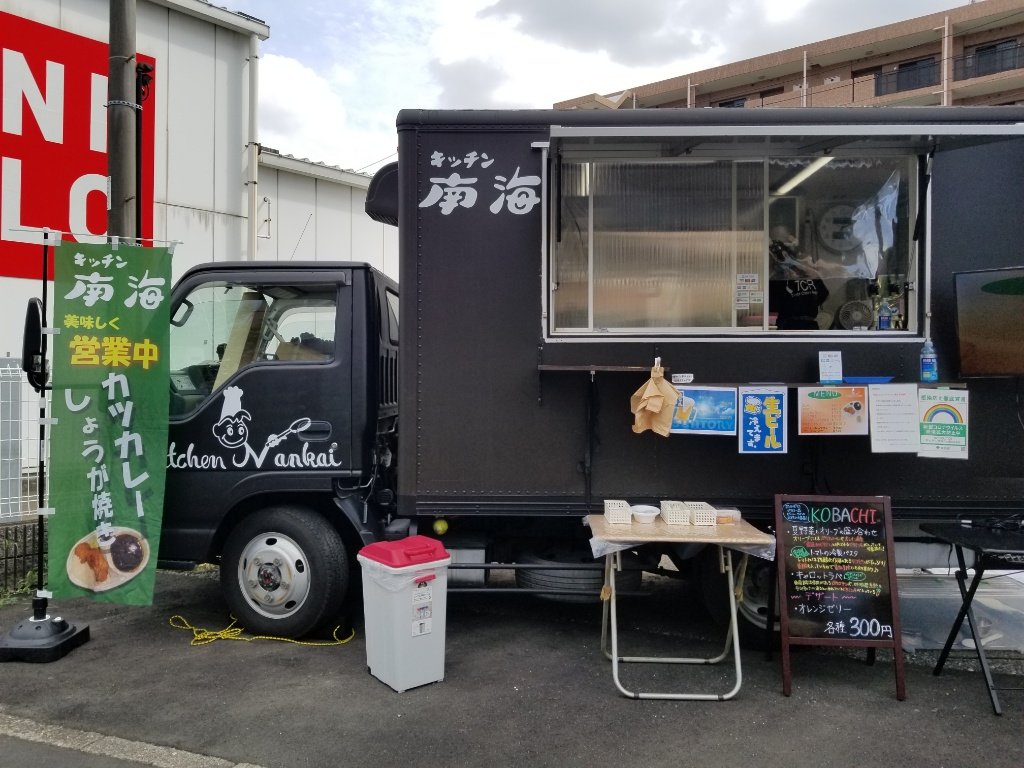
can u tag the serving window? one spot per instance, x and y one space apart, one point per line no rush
654 236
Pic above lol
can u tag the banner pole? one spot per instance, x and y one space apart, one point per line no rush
39 602
42 638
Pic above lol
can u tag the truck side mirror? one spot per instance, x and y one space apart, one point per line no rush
182 313
32 362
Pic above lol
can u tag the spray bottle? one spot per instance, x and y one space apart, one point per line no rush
929 362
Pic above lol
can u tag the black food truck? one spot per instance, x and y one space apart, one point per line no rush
547 259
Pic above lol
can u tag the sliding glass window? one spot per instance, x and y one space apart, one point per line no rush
669 246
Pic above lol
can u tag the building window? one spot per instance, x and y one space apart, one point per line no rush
672 246
733 103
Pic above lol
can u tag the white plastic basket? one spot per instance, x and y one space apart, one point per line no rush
675 513
702 513
617 512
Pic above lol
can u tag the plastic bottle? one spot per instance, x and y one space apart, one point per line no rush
929 362
885 316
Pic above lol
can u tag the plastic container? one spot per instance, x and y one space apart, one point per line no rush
617 512
929 362
727 515
644 514
675 513
405 595
702 513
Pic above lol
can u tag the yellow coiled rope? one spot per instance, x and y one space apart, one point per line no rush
202 636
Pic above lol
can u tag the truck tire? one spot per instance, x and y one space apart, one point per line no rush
284 572
752 610
587 581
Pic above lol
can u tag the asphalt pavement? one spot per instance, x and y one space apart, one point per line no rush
525 684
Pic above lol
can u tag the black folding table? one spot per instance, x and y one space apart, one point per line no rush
1001 548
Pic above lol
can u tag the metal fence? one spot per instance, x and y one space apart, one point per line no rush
19 477
19 444
19 547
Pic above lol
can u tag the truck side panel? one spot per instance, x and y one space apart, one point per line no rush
493 434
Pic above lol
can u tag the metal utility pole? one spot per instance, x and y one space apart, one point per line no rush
121 118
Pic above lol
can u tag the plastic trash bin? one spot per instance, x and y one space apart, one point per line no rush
405 591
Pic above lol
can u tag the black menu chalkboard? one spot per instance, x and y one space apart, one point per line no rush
834 556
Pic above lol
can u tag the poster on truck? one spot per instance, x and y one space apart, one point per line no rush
832 410
704 411
763 418
110 396
942 423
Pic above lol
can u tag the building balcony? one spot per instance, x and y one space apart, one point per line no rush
988 62
908 78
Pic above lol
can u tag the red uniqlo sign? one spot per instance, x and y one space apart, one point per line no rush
53 140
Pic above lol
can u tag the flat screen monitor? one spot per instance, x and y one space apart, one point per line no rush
990 322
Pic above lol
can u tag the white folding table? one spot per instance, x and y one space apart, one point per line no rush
739 535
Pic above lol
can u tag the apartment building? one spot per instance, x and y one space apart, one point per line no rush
970 55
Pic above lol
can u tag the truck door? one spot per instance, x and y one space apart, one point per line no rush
260 396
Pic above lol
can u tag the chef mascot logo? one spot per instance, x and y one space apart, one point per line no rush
232 431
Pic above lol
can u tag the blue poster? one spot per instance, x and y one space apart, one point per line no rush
705 411
762 420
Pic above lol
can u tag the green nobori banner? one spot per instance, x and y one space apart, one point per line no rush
110 393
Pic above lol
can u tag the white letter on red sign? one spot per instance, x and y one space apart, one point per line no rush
48 111
77 210
98 114
10 203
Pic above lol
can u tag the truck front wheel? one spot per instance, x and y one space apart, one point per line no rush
284 572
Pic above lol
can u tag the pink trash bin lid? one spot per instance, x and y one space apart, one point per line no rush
413 550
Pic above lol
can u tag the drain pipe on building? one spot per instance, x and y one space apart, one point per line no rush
253 150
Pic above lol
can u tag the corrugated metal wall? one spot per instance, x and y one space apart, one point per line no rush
201 102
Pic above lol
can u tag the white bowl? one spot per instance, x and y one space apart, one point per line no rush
645 514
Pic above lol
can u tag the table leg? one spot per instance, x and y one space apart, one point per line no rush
605 605
966 611
610 566
734 630
609 625
979 647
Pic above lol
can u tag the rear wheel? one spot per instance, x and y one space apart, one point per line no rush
581 585
752 609
284 572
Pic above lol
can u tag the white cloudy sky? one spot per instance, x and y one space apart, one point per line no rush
334 73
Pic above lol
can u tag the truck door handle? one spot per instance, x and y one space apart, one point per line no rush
316 431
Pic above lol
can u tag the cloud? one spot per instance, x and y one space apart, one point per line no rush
656 33
631 33
303 113
468 84
285 86
335 73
